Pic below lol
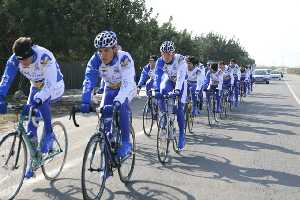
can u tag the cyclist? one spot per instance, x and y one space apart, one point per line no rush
170 75
237 77
38 65
195 81
116 68
250 82
228 78
245 77
148 73
213 84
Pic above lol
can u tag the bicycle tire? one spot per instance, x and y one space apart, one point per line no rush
125 177
163 133
21 146
52 175
145 117
91 147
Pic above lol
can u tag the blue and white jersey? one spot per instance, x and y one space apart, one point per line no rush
44 73
228 78
236 70
215 79
175 71
197 76
120 72
147 73
245 75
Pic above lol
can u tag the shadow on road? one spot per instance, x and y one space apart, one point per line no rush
137 189
222 169
210 140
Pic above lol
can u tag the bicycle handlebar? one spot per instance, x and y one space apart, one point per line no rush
32 114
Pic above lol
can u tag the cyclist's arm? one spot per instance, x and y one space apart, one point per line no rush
91 78
144 75
10 72
200 79
158 74
207 80
181 74
128 86
231 77
220 79
238 72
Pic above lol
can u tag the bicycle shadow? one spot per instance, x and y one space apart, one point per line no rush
223 170
228 142
137 189
66 189
264 130
151 190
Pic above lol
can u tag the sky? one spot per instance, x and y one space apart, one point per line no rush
268 30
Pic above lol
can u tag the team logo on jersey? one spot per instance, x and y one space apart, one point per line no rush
125 60
180 59
45 59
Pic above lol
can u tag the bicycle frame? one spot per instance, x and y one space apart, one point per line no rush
116 132
36 160
170 115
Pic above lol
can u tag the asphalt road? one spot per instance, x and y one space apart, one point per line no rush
253 155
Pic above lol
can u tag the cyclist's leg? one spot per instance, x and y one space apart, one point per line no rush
195 110
248 86
126 146
245 88
251 83
236 91
180 116
108 97
200 98
45 109
31 129
218 98
48 137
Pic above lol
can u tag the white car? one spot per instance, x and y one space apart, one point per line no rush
276 75
261 75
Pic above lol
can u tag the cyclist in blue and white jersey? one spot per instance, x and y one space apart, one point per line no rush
170 76
148 73
213 84
116 68
196 75
38 65
237 77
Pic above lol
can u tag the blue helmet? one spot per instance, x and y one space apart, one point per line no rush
167 47
105 39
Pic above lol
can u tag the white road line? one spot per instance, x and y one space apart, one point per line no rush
70 164
292 92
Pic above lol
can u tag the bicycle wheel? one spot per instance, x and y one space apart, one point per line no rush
125 170
56 158
215 114
13 163
162 139
94 169
226 107
186 117
148 117
223 113
190 118
175 134
210 114
242 92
